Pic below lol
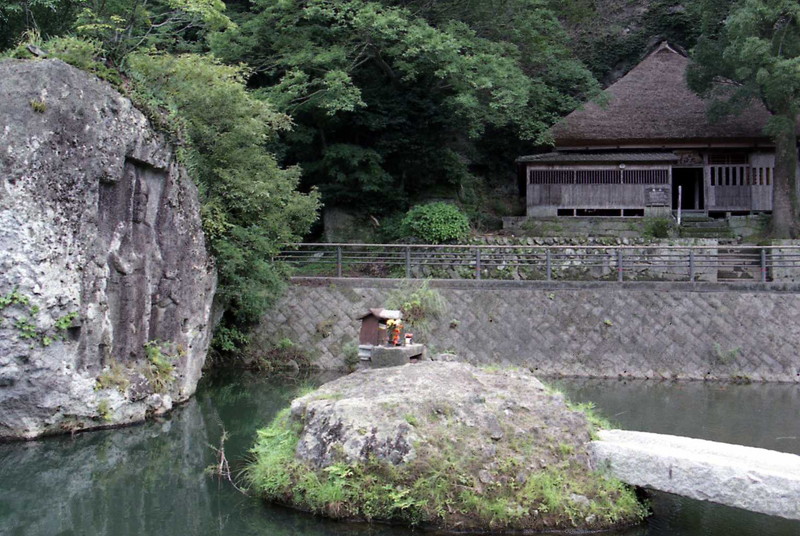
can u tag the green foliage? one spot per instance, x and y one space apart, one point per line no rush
316 50
750 50
351 359
26 328
612 40
436 223
273 456
113 376
39 106
229 339
436 489
756 45
419 303
285 344
275 357
85 54
65 322
411 419
588 409
253 203
15 297
25 322
721 356
46 17
160 367
393 99
656 227
104 410
123 26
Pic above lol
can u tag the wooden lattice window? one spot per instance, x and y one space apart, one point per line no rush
597 176
645 176
762 176
731 176
727 159
551 176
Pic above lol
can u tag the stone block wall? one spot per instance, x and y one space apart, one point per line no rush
591 329
578 258
570 227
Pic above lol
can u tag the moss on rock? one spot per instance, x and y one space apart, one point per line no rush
442 445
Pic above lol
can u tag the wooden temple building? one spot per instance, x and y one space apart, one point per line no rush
651 148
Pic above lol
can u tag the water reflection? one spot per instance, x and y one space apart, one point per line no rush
150 480
756 415
141 480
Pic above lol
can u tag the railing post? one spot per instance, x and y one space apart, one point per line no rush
408 262
338 261
763 265
620 268
477 263
691 265
549 265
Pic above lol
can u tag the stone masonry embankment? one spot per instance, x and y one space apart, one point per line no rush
592 329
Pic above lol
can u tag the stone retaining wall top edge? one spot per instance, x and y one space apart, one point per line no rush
466 284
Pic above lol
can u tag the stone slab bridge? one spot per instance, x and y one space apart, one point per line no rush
749 478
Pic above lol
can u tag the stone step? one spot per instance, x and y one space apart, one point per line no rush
749 478
736 264
705 233
739 256
738 275
697 218
713 224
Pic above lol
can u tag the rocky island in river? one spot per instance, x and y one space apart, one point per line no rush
440 445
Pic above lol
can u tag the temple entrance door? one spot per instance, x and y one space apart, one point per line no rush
692 188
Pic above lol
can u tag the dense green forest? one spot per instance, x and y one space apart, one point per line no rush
370 106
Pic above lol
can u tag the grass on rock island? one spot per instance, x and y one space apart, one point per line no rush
535 482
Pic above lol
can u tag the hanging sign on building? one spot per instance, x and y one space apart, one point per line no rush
657 197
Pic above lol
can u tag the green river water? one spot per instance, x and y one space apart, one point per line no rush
149 480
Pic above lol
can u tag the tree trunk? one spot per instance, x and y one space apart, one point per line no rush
785 209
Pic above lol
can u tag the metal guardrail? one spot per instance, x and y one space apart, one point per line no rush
564 263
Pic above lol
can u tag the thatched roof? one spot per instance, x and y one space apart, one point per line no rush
652 106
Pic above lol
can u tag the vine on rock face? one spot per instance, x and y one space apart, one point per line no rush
114 375
251 206
25 324
160 367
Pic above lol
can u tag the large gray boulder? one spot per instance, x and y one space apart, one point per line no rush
444 445
105 283
367 414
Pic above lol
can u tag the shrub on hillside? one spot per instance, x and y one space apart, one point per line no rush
656 227
436 223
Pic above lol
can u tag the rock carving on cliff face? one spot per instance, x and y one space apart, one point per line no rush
105 283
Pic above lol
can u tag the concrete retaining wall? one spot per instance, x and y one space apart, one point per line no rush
642 330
